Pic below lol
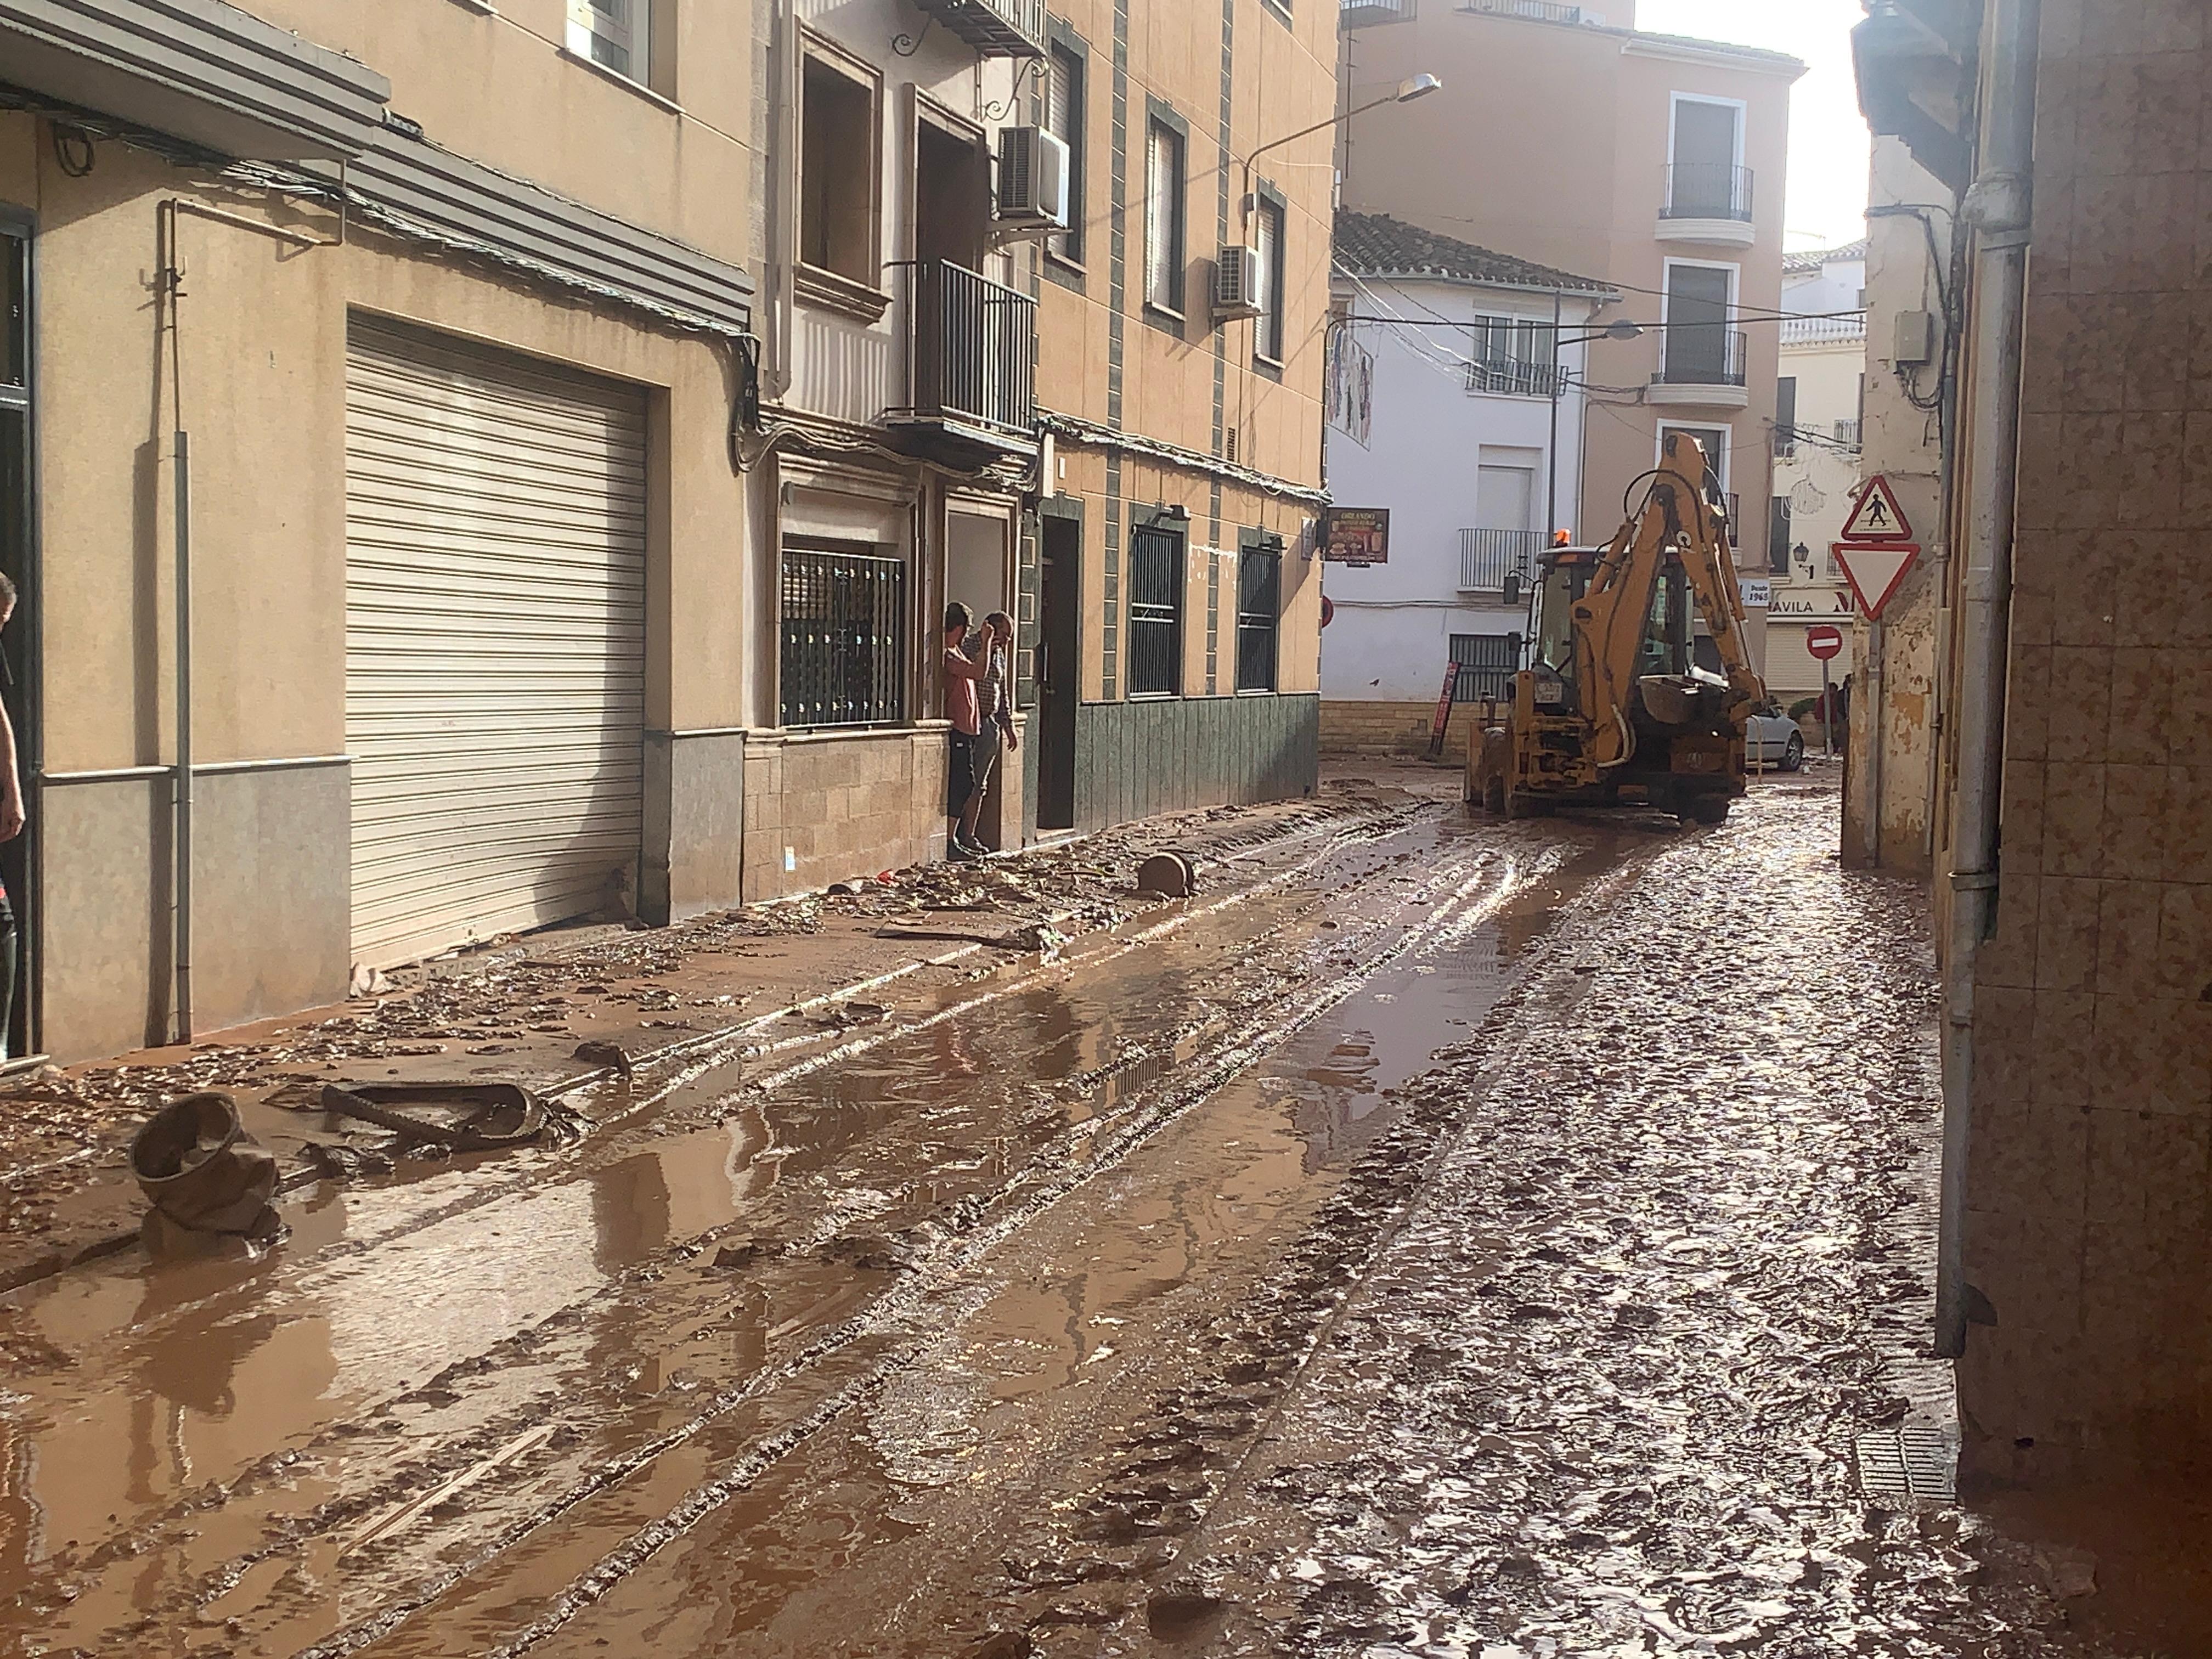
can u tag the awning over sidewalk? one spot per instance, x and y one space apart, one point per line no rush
205 71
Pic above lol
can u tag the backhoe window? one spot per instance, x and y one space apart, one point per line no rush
1555 622
1666 648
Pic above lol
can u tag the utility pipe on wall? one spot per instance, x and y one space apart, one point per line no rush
1998 211
171 288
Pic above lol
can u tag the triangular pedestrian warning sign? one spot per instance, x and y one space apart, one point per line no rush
1874 572
1877 517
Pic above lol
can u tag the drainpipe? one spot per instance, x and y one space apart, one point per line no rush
1998 211
783 206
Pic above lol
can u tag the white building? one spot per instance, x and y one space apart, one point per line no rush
1818 410
1450 406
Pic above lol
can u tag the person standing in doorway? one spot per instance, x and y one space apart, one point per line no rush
963 673
995 738
11 825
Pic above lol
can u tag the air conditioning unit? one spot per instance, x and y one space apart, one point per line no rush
1236 283
1033 169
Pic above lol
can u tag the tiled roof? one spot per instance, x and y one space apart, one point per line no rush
1376 245
1813 259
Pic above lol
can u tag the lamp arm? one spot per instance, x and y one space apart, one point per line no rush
1245 206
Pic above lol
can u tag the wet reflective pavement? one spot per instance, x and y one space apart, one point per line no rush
1480 1238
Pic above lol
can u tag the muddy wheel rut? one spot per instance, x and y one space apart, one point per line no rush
472 1417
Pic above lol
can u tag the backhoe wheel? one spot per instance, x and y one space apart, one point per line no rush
1493 794
1709 809
1520 804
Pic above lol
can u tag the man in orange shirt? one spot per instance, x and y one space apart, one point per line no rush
965 782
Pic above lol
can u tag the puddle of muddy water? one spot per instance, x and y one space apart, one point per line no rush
181 1418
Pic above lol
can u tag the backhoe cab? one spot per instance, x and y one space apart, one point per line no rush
1614 708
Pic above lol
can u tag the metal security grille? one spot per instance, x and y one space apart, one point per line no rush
496 593
1155 613
1259 602
844 630
1488 664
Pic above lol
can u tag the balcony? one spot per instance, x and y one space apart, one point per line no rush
1512 378
996 28
1704 368
1709 203
1847 432
1365 14
1487 557
974 370
1824 331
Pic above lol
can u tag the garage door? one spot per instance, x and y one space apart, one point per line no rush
495 642
1792 671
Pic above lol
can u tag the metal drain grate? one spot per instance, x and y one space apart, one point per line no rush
1909 1463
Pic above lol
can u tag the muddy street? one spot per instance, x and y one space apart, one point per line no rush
1453 1237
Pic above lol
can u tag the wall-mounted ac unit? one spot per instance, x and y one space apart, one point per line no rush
1236 283
1033 168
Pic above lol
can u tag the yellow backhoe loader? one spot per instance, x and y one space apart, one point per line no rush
1614 706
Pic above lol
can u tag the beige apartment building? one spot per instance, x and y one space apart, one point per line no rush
470 467
366 480
1651 162
1063 426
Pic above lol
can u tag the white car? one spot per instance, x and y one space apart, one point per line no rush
1774 741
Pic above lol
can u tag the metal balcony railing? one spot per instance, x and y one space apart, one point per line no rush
1700 354
1364 14
999 29
1544 11
974 350
1707 190
1847 432
1512 376
1486 557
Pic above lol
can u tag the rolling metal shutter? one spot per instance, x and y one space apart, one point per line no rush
495 642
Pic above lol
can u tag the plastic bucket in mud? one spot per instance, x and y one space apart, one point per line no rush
198 1167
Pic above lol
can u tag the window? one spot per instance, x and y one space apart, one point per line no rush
1267 333
837 173
1785 417
1163 218
1063 118
1259 605
1701 348
844 629
615 35
1155 613
1513 356
1778 537
1488 664
1707 178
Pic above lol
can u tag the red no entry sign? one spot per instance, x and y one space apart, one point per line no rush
1824 642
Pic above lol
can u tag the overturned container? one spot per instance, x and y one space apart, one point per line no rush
200 1168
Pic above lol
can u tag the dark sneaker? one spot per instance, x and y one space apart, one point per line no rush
960 854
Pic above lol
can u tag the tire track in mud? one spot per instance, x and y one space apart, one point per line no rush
912 1316
483 1440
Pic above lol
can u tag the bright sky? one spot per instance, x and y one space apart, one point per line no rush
1828 142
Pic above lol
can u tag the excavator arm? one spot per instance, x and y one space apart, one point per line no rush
1613 616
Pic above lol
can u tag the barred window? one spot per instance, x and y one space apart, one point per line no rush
1259 605
844 633
1488 664
1155 613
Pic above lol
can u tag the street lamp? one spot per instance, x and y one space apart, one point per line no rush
1420 86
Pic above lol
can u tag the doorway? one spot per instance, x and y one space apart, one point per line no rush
18 641
1059 603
